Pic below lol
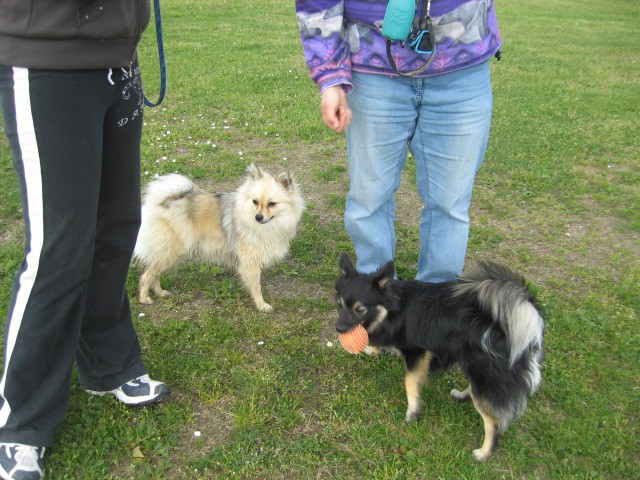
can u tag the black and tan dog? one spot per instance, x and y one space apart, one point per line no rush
487 323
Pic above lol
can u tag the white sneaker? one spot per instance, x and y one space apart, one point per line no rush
139 391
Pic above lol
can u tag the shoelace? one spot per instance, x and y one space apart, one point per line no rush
26 456
136 382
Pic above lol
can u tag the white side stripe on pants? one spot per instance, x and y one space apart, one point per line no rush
33 181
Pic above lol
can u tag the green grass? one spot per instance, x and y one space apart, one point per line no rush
557 198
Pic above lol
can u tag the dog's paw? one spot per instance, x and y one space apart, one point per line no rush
460 396
163 293
146 300
371 350
412 415
375 350
265 308
480 455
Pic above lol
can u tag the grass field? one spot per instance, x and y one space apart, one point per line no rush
265 395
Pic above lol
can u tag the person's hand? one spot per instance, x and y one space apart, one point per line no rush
334 108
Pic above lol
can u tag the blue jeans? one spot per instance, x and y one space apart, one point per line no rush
444 122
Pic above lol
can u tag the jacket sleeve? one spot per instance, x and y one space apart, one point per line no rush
324 39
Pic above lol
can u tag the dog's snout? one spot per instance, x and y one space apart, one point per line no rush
344 323
259 217
340 328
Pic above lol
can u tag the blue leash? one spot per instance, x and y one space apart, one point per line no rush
163 66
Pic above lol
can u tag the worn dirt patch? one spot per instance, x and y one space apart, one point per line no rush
211 427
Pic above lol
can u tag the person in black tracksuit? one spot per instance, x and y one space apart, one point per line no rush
72 103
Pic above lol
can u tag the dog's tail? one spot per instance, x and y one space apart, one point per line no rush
166 188
505 296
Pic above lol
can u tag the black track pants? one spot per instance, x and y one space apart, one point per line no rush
75 140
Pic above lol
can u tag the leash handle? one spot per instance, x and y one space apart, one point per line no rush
163 66
413 72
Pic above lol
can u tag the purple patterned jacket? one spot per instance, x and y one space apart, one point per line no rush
339 36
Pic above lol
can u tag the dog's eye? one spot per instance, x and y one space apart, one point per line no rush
361 309
255 202
271 204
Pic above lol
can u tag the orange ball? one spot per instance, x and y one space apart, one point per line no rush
354 340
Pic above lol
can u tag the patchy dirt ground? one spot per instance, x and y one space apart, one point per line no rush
559 243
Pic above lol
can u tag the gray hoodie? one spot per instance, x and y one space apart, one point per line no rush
71 34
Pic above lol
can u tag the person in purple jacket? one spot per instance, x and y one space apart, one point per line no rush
391 99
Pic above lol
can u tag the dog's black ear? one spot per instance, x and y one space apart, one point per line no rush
285 180
254 171
346 265
384 274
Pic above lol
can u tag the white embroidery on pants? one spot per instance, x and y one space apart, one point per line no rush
132 87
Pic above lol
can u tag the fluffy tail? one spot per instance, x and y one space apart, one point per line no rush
167 188
158 196
505 296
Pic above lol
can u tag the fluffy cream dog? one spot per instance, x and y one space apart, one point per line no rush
248 229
